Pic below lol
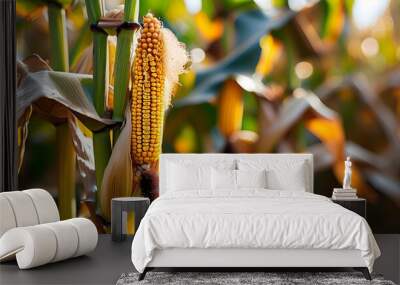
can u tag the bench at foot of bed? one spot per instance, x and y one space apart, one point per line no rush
363 270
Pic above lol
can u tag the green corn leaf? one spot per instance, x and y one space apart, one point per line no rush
82 42
250 27
54 93
60 98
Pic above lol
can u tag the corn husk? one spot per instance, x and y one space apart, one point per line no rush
118 175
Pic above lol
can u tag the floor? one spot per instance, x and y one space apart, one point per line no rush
110 260
103 266
389 262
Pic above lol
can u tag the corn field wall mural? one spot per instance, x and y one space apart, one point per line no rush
105 86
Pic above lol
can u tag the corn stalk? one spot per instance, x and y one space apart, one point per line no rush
118 176
123 63
101 139
66 172
66 156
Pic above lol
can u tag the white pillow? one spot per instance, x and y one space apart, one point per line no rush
292 180
281 174
182 177
223 179
251 178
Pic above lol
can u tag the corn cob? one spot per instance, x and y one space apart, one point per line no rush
155 73
230 108
147 104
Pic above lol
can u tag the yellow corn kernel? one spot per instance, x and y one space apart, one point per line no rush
147 93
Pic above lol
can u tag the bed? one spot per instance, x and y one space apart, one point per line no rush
247 211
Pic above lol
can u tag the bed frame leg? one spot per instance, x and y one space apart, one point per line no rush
143 274
364 271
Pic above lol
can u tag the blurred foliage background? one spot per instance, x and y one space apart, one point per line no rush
267 76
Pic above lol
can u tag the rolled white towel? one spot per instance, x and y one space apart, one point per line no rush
40 244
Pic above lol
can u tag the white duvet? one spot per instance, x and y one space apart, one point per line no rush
253 218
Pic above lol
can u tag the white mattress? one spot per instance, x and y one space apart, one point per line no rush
250 219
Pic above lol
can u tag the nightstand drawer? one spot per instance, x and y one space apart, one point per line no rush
358 206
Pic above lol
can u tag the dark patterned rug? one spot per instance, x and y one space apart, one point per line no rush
231 278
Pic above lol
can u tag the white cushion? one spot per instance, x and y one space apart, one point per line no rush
34 244
292 180
281 174
26 208
40 244
87 235
205 161
269 161
66 238
23 208
223 179
182 177
251 178
169 178
45 205
7 218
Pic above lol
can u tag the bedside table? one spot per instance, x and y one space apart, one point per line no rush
358 206
119 208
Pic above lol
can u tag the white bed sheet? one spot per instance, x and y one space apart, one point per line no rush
251 218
